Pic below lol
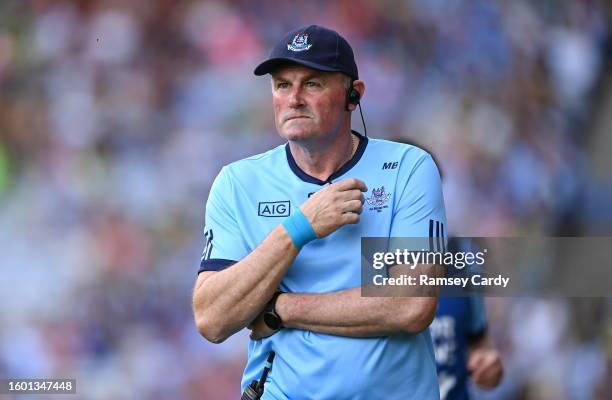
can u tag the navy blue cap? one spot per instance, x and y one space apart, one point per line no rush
314 47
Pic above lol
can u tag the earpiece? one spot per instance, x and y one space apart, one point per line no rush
353 96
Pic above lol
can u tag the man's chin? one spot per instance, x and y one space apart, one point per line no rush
297 135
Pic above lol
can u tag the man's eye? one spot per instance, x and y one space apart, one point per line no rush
282 85
312 84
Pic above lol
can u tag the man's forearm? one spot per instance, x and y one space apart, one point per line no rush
347 313
226 301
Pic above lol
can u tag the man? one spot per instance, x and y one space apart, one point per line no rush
462 346
283 233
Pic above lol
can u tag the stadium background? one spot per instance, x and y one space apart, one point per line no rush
115 116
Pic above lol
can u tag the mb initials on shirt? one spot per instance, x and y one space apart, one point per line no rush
390 165
274 208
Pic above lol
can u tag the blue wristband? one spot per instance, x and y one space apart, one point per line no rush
299 229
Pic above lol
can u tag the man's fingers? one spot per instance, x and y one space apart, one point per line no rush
352 194
350 218
473 361
354 206
477 369
352 183
476 376
346 184
486 369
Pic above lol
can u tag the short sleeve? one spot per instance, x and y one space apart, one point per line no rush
224 243
419 211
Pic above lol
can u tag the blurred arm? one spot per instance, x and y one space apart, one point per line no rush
484 364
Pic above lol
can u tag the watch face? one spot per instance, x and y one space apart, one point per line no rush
272 321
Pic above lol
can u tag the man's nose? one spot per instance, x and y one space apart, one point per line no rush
296 98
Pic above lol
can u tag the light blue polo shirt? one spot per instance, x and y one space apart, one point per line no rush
250 197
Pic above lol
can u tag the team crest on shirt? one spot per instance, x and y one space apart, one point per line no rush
299 43
379 199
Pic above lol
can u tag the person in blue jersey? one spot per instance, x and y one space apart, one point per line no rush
283 228
462 347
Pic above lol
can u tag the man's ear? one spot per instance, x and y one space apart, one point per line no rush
359 86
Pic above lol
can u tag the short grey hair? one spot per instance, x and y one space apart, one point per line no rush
348 82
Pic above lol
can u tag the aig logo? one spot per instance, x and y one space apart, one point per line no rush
274 209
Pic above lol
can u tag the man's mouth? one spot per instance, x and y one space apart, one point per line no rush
296 117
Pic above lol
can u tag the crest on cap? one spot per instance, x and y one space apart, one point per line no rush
299 43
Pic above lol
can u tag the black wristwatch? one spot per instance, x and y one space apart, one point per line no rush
270 317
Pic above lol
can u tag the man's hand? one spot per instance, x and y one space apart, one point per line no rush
334 206
259 329
485 367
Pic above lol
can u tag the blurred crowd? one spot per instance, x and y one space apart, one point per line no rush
115 117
